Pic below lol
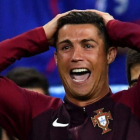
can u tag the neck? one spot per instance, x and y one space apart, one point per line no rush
89 101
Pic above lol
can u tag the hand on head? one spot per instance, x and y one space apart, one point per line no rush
51 27
106 16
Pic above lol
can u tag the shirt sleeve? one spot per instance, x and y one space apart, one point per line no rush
27 44
17 105
127 35
124 34
15 108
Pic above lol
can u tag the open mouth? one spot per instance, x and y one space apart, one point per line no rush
80 75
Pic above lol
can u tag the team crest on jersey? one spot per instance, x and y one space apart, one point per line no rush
102 120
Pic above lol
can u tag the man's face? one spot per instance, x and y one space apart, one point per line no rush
135 72
82 61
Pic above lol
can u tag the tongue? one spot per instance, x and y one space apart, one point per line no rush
81 77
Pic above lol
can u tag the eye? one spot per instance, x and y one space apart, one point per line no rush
65 47
88 46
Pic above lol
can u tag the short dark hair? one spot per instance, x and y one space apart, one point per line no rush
84 18
132 59
28 78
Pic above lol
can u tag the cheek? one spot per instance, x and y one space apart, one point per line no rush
62 63
102 57
92 57
64 58
98 61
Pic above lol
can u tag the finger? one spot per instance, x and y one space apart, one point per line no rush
96 11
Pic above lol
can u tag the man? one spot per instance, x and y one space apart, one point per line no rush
83 54
133 67
79 70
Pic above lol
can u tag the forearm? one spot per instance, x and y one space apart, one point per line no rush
27 44
124 34
15 108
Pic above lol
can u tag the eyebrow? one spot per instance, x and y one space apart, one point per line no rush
86 40
83 41
64 41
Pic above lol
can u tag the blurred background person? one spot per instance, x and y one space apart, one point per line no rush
133 67
29 78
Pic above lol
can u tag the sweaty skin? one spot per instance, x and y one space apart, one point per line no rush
81 48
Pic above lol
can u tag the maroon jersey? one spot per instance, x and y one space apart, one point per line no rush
32 116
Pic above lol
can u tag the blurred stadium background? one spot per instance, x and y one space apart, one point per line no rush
18 16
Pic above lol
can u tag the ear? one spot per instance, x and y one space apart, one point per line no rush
111 54
55 57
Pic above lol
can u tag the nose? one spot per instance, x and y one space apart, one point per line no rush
77 54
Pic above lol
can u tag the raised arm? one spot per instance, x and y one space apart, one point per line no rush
28 44
125 34
18 106
24 45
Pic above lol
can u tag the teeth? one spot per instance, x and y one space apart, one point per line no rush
78 80
79 70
